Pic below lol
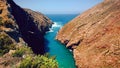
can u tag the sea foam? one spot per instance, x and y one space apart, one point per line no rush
55 25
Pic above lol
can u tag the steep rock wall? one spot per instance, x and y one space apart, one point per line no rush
94 36
25 24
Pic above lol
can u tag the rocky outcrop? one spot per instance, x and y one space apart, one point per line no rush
24 24
20 28
94 36
42 22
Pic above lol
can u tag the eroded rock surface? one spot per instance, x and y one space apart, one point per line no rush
94 36
24 24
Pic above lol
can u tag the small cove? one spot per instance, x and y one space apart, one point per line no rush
63 55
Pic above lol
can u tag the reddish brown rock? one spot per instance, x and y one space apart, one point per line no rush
95 35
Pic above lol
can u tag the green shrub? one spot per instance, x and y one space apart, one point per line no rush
26 63
38 61
21 51
8 24
1 23
18 53
6 44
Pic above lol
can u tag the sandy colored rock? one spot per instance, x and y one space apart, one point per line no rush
96 35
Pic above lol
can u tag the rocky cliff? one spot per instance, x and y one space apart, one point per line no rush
94 36
20 28
24 24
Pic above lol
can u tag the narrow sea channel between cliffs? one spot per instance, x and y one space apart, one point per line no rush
63 55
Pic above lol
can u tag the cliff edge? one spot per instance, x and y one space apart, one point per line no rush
25 24
22 37
94 36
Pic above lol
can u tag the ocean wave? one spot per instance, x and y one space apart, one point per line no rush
50 30
55 25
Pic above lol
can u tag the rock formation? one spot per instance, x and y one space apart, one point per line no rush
24 24
94 36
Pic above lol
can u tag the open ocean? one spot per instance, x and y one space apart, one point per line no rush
63 55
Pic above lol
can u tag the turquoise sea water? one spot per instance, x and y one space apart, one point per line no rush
63 55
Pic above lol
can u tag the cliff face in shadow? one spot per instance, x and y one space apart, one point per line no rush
29 25
94 36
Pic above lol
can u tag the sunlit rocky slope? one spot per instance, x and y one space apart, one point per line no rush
94 36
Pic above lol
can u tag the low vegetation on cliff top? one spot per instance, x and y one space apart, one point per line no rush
13 55
6 44
25 54
27 58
